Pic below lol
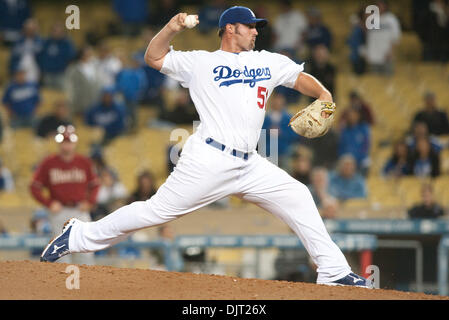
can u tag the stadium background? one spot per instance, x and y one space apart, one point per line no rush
394 100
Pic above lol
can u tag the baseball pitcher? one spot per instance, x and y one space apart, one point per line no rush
230 88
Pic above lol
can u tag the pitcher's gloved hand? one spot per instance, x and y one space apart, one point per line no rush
315 120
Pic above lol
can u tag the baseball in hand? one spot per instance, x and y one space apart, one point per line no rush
190 21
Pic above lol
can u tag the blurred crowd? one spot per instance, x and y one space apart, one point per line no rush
106 88
335 166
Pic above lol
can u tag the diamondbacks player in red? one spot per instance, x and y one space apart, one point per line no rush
71 183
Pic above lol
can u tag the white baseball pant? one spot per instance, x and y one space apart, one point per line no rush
205 174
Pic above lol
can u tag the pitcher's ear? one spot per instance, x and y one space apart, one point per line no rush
230 28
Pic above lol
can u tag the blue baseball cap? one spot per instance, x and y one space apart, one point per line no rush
241 15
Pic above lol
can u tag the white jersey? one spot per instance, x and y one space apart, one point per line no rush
379 42
289 28
230 90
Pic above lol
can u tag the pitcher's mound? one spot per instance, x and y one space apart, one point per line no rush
36 280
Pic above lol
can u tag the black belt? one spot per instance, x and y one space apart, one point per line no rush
220 146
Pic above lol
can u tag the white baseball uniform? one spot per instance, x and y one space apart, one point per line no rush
230 92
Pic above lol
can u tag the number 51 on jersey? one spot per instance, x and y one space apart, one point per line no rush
262 95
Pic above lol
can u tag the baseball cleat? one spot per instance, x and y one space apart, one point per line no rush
352 280
58 246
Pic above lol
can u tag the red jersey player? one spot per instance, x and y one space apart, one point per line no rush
71 183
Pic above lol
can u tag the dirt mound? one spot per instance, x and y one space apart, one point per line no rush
35 280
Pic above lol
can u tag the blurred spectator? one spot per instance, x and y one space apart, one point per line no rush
428 209
48 124
436 120
325 149
21 99
329 208
112 192
356 42
277 119
432 26
57 52
345 183
108 65
355 139
66 184
13 15
133 15
289 28
317 33
131 82
302 165
184 111
155 78
163 11
380 43
265 37
319 188
111 195
357 102
107 114
398 164
420 130
424 162
83 85
25 51
145 188
321 68
290 95
100 163
40 225
209 14
6 180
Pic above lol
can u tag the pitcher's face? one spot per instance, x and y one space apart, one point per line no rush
245 35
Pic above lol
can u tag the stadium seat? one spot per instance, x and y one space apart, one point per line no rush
49 97
10 199
441 188
410 190
356 204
